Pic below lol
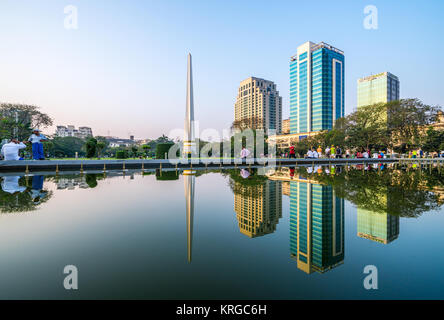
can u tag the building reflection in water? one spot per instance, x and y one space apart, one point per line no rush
380 227
189 179
316 226
258 207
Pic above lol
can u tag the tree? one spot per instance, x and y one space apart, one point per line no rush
406 119
433 141
146 148
91 147
18 120
100 146
68 146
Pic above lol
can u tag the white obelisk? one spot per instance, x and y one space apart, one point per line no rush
189 180
188 141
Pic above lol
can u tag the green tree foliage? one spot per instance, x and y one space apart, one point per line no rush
100 146
67 147
18 120
91 180
121 154
91 147
162 149
433 141
406 120
397 125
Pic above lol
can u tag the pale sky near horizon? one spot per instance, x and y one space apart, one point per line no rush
123 71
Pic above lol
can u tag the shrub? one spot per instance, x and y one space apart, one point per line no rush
121 154
162 148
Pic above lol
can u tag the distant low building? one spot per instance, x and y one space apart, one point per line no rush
115 142
71 131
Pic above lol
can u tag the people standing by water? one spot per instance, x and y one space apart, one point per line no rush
292 152
309 154
414 153
319 151
315 153
338 152
347 153
333 151
327 152
10 151
365 154
244 154
36 139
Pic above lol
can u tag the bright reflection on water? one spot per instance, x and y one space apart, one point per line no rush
289 234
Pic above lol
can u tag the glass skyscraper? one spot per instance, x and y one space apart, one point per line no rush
316 87
316 226
379 88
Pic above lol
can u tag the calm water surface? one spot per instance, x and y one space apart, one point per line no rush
290 234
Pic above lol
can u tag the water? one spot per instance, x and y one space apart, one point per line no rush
190 236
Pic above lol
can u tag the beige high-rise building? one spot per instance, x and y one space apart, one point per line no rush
286 126
258 207
258 105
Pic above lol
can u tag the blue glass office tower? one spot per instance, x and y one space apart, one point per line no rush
316 226
316 87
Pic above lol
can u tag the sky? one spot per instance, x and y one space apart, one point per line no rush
123 70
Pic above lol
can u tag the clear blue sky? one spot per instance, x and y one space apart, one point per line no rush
124 69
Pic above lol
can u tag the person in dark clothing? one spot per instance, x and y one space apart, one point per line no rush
338 152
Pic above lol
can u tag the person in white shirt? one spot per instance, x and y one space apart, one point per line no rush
244 153
365 154
315 154
37 147
10 151
327 152
309 154
10 184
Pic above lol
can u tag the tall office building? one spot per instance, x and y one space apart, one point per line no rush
379 88
258 208
316 88
258 105
316 226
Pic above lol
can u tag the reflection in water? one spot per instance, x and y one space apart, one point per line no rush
376 226
17 196
316 226
257 203
189 181
70 183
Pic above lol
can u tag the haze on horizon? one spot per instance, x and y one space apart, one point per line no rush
124 69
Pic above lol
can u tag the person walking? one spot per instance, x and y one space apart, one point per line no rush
10 151
414 154
36 139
